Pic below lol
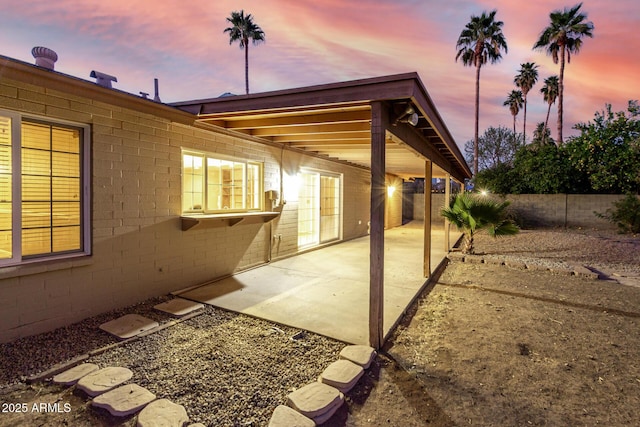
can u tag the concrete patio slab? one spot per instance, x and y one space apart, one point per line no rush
326 291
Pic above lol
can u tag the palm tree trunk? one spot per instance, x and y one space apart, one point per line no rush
514 129
546 123
467 247
560 94
475 137
524 126
246 66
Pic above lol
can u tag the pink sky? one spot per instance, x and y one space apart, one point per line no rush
313 42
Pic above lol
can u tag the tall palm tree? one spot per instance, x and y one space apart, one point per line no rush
561 38
243 30
472 213
514 101
550 93
525 79
480 41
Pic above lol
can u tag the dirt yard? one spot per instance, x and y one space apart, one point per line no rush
491 345
487 345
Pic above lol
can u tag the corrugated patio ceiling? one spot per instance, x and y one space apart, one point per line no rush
334 121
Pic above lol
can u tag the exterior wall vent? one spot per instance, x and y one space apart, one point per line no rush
45 57
103 79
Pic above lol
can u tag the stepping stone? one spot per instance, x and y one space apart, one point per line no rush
284 416
162 412
342 374
71 376
317 401
125 400
361 355
103 380
128 326
178 306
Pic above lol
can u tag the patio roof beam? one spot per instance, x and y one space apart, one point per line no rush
358 116
328 128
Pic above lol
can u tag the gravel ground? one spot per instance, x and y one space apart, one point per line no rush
230 369
226 369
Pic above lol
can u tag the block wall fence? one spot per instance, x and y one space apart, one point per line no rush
544 210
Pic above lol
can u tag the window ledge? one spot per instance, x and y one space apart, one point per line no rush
190 221
44 266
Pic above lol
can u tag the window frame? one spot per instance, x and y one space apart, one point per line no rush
17 257
205 156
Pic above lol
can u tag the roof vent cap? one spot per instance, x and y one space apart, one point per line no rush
45 57
103 79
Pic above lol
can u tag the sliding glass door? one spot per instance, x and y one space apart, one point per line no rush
319 208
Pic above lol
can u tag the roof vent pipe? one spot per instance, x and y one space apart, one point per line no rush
156 98
45 57
103 79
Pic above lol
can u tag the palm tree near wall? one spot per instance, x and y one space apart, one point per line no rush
561 38
243 30
480 41
549 93
515 102
472 213
525 79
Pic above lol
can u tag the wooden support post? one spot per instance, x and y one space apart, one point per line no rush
379 124
447 197
427 217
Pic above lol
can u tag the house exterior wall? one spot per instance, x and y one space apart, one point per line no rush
393 217
138 247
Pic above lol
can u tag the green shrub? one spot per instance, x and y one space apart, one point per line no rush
626 214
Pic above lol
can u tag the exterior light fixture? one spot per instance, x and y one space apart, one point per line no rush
390 190
408 116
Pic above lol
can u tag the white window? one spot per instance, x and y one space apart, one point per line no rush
211 184
44 207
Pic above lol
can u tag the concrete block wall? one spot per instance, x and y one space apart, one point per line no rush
544 210
563 210
138 248
437 203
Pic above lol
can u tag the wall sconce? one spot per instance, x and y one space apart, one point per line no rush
390 190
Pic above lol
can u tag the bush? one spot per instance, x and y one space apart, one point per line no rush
626 214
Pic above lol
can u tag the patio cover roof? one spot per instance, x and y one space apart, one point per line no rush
334 121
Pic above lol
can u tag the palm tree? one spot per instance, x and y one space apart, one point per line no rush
480 41
541 136
243 30
525 79
472 213
514 101
563 37
549 92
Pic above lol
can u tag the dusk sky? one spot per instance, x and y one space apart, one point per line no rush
312 42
